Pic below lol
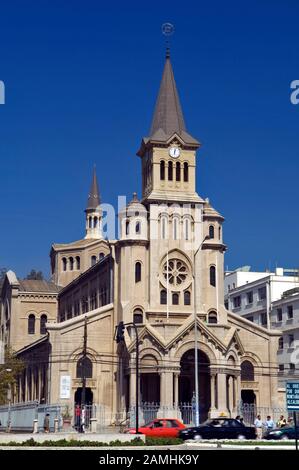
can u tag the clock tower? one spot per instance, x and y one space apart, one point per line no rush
168 154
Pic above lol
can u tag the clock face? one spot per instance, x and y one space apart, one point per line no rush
174 152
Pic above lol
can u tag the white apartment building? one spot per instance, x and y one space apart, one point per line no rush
271 300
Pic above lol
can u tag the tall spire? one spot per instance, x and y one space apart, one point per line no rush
168 116
93 200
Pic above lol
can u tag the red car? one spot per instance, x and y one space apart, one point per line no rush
165 427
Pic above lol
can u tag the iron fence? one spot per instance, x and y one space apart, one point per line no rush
249 411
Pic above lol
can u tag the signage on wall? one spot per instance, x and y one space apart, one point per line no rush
65 386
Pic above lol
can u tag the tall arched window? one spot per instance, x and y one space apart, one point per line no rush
247 371
187 298
178 171
137 228
213 276
137 272
170 171
127 227
186 172
211 231
163 297
71 261
164 222
31 324
187 229
77 262
90 222
137 316
101 256
219 233
84 368
175 298
43 321
64 264
175 228
95 222
162 170
93 260
212 317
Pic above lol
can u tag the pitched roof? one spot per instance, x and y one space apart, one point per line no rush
168 117
33 285
93 200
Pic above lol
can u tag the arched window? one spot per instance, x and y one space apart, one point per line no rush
77 262
162 170
213 276
127 227
64 264
212 317
170 171
71 261
187 229
211 231
95 222
187 298
31 324
175 228
163 227
175 298
43 321
163 297
178 171
101 256
219 233
93 260
137 316
137 228
90 222
247 371
84 368
137 272
186 172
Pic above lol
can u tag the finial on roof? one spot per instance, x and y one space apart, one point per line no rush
94 196
135 199
167 30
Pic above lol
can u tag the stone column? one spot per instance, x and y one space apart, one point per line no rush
132 387
230 394
222 398
176 389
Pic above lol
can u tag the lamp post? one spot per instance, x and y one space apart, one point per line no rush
195 337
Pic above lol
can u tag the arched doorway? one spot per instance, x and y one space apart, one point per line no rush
248 397
187 381
149 380
88 396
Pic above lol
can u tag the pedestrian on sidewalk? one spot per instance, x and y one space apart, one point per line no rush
77 417
258 424
83 416
47 423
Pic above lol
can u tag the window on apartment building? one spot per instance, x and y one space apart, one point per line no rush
279 314
264 319
249 297
290 312
237 301
281 367
292 366
291 341
262 293
280 343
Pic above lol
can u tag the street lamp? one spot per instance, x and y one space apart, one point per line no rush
195 337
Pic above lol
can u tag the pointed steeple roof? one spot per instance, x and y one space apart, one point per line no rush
168 116
93 200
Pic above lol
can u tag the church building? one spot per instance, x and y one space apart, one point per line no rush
165 276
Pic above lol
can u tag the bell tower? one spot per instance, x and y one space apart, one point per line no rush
168 155
93 211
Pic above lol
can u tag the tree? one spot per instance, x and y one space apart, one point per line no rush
9 372
35 275
3 271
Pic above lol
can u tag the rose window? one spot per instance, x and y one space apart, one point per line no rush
176 271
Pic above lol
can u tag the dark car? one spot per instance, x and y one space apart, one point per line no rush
287 432
219 428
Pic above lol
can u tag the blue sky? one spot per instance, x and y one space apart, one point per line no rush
81 83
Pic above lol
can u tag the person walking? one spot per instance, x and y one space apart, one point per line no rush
47 423
281 422
258 424
269 424
77 417
83 416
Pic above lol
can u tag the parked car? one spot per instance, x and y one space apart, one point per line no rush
219 428
287 432
165 427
